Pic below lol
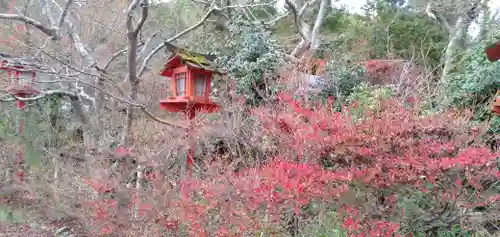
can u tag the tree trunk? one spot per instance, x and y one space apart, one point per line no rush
132 35
455 46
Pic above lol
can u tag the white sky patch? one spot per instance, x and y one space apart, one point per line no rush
494 6
355 6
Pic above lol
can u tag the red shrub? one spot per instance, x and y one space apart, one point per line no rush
384 158
242 202
400 73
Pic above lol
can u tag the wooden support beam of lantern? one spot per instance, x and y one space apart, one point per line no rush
22 74
191 75
493 55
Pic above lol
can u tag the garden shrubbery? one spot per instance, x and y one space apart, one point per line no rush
394 172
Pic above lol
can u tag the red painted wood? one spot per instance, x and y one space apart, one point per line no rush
493 52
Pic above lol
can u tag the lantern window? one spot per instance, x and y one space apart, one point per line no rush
180 83
20 78
201 84
25 79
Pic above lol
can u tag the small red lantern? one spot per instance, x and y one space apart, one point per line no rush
22 75
191 75
493 52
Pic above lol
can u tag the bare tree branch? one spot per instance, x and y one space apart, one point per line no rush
131 7
50 31
113 57
148 42
144 16
77 42
299 15
11 97
64 13
47 10
296 18
439 18
213 9
306 5
317 25
271 3
132 33
311 44
163 121
272 22
175 37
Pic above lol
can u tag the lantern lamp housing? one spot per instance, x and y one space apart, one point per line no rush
22 75
191 75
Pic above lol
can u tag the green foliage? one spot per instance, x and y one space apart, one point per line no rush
345 78
453 231
39 132
33 136
474 83
262 12
326 226
7 128
407 35
9 215
173 13
392 33
175 16
369 96
252 58
335 21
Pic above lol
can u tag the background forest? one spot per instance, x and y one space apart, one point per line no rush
332 123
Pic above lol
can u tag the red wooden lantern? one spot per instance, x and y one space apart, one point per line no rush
191 76
22 75
493 52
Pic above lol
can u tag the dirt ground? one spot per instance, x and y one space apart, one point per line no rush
25 217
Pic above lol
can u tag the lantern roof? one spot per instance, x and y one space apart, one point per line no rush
181 56
493 51
19 64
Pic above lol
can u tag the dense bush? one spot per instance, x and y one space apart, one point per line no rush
341 79
391 173
401 33
474 82
363 164
254 65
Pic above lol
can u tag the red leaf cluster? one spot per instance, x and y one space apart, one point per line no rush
394 149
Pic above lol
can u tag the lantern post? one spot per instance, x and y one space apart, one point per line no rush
22 77
191 75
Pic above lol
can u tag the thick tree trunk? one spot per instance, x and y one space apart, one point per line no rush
456 45
457 42
132 35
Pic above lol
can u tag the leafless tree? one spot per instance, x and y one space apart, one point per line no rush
86 52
